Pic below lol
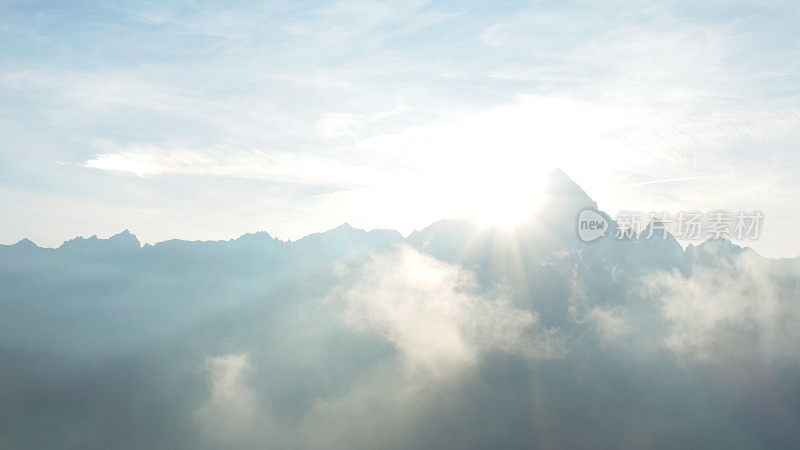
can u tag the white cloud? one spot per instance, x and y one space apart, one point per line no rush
150 161
656 93
336 125
430 311
231 414
491 36
730 310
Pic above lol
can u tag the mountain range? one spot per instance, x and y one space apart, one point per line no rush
456 335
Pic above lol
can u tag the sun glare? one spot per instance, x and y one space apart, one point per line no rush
506 204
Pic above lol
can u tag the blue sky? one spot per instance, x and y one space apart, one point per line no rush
206 120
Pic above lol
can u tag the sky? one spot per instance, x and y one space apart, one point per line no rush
207 120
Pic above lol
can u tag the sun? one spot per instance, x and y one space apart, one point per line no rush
506 203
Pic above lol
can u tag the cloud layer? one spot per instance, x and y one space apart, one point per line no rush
365 340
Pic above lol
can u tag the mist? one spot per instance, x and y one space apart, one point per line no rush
455 336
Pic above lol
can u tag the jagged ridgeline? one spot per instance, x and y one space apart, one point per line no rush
457 335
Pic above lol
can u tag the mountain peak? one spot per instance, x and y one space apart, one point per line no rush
125 238
258 235
720 246
560 185
563 199
122 241
258 240
25 243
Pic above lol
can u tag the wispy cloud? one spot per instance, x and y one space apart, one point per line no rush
151 161
605 91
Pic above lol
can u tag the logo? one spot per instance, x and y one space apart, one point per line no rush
685 225
591 225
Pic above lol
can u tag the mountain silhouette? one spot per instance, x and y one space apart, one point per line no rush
537 257
551 229
456 335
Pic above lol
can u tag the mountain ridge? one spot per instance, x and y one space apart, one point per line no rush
562 198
